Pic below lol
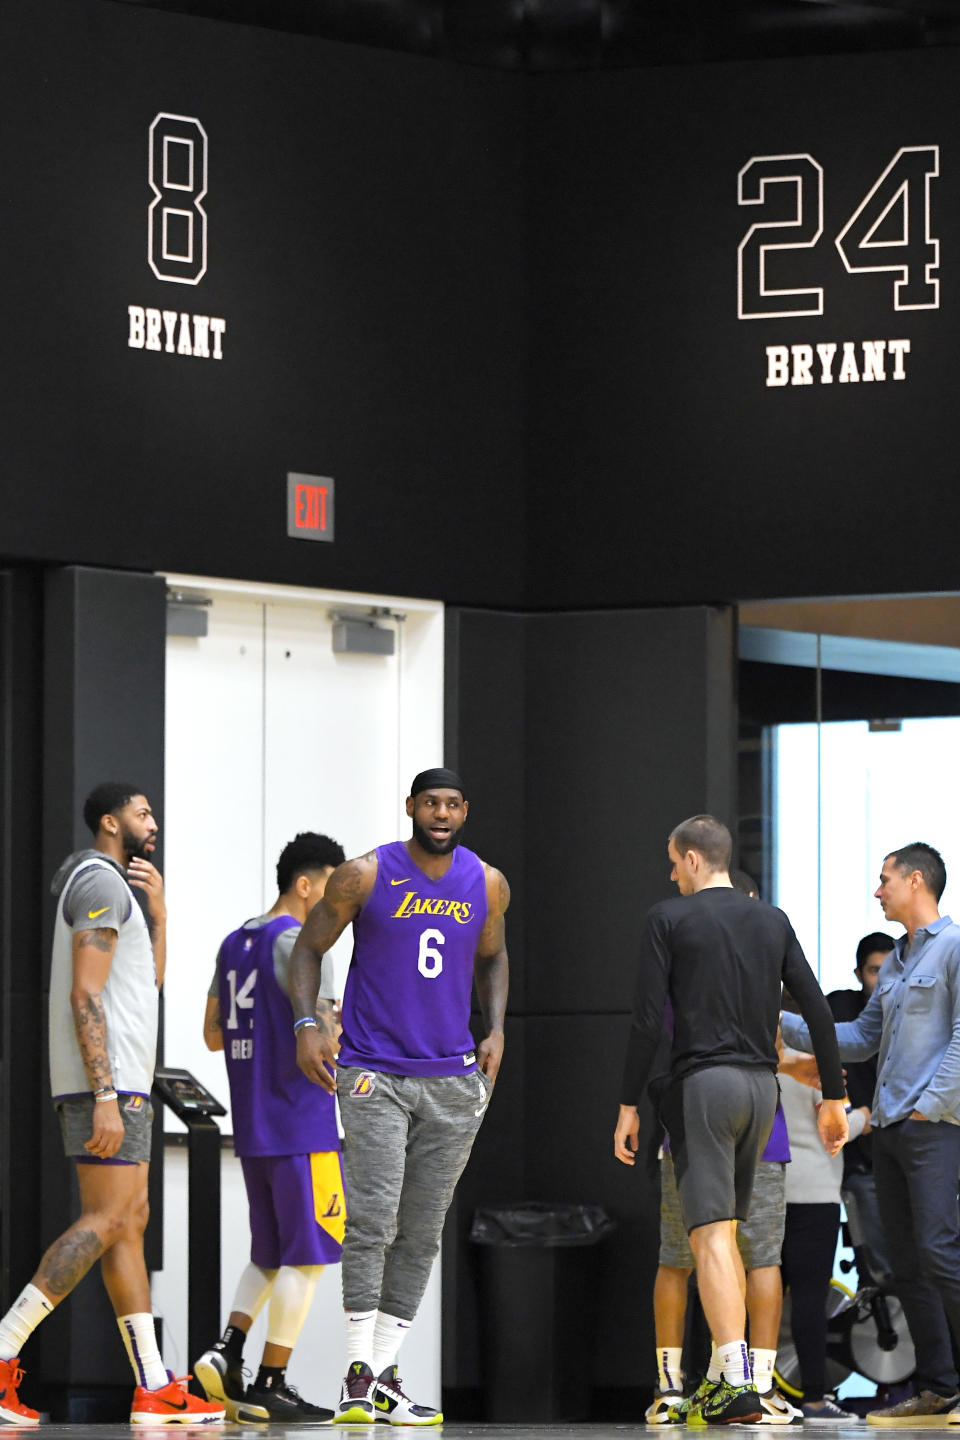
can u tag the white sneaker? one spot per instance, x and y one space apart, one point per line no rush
356 1396
777 1409
659 1412
392 1405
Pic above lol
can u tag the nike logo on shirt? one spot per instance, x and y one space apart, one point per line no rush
92 914
404 881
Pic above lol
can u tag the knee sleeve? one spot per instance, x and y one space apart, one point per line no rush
253 1289
290 1303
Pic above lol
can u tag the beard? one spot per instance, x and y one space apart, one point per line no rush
135 849
433 847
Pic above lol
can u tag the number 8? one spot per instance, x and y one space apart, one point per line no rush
177 222
430 961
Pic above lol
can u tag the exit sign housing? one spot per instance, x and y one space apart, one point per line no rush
309 506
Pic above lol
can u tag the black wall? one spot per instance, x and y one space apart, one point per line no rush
497 308
627 722
661 467
363 241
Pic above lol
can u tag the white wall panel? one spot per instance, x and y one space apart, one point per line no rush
270 733
213 816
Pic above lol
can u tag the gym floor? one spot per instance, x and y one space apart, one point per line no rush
451 1432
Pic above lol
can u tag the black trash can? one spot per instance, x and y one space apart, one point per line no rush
538 1295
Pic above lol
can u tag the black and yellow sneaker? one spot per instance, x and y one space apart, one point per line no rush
221 1377
731 1405
356 1396
392 1405
283 1404
687 1411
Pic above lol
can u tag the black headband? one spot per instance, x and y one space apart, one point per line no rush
438 779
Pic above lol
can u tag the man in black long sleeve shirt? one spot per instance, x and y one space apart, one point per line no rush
722 959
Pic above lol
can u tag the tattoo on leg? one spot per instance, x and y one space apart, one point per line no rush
68 1260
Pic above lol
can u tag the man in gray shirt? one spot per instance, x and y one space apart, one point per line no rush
913 1020
106 970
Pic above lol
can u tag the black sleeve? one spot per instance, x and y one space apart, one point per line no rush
646 1027
812 1003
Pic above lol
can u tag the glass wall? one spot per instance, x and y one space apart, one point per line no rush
843 794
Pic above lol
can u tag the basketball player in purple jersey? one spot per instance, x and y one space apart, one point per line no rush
428 924
285 1132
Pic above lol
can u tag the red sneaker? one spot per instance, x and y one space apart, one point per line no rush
11 1411
173 1404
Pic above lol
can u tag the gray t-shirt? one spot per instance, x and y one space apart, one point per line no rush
282 951
98 898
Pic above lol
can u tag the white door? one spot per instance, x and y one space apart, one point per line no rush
268 733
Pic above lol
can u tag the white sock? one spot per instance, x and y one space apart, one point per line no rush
290 1303
140 1342
253 1290
389 1334
735 1361
669 1368
30 1307
715 1368
360 1327
762 1363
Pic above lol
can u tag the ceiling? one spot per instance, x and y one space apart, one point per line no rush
549 35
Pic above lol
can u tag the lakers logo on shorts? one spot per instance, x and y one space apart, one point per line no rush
134 1103
329 1205
363 1085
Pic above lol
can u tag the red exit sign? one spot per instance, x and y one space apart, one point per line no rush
309 507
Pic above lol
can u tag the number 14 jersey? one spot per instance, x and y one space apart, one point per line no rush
406 1005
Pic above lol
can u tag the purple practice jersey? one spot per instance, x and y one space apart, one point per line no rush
406 1004
276 1109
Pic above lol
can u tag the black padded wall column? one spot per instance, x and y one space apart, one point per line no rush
104 667
22 963
585 737
630 728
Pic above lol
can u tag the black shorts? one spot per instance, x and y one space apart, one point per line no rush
719 1119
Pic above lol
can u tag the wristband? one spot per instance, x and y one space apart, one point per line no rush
307 1020
101 1095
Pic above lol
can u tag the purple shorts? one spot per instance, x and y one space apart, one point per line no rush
297 1208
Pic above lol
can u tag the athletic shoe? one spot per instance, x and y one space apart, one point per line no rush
12 1411
731 1405
927 1408
393 1406
173 1404
221 1376
777 1409
282 1404
689 1409
829 1413
663 1411
356 1396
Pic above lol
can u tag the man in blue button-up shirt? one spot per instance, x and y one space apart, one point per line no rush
913 1019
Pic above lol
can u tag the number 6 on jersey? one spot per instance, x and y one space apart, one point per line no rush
430 961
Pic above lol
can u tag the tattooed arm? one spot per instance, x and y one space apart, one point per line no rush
491 973
347 890
92 958
213 1024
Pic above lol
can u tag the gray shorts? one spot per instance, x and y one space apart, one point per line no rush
76 1126
718 1119
759 1237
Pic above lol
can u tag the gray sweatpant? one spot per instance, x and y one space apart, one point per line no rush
406 1141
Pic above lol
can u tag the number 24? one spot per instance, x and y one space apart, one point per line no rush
902 189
